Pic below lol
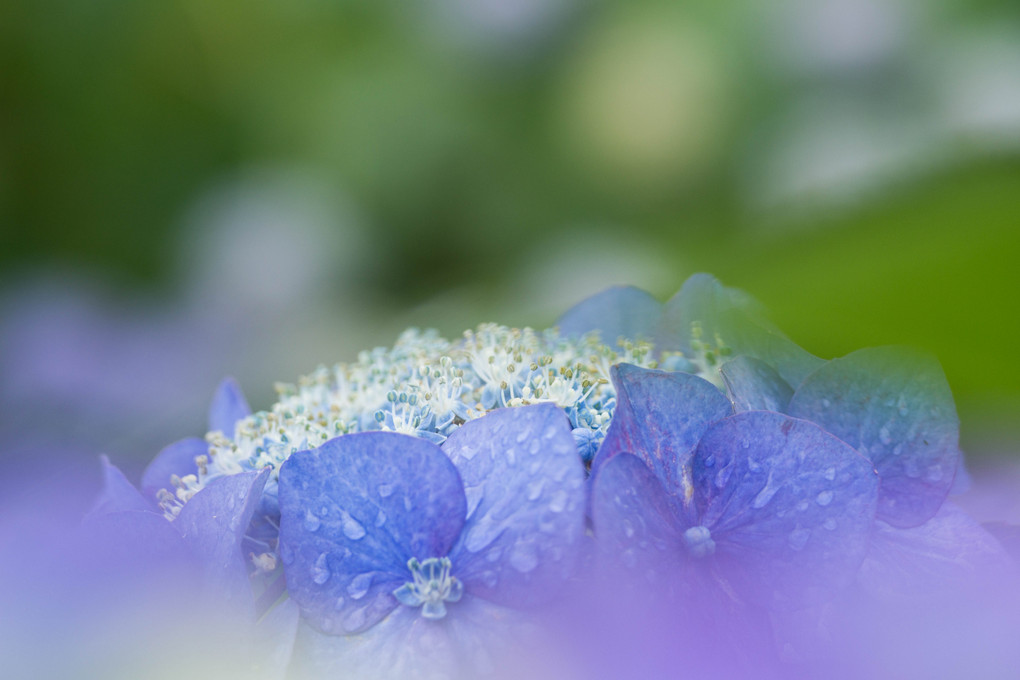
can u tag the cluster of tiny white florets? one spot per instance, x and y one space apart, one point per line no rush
426 386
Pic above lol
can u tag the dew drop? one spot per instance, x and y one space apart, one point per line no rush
385 490
830 524
802 506
351 527
884 436
628 528
511 456
798 538
535 489
534 447
490 579
826 403
709 461
339 604
359 585
559 501
380 518
830 474
824 498
723 475
524 557
765 495
523 435
934 473
746 443
355 619
494 554
320 570
311 523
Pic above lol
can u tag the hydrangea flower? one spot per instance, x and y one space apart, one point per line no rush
408 514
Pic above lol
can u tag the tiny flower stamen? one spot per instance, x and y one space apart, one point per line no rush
431 588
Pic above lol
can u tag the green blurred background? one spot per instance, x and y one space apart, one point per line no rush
190 188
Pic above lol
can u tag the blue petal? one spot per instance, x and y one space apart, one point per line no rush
353 512
617 312
660 417
213 523
948 552
789 506
526 500
633 518
176 459
228 406
738 321
118 493
894 406
753 385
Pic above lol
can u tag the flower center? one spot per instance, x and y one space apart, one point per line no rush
431 588
699 541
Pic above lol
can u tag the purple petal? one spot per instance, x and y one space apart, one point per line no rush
213 523
633 518
617 312
660 416
948 552
132 542
738 320
118 493
526 501
789 506
176 459
228 406
353 512
407 646
753 385
894 406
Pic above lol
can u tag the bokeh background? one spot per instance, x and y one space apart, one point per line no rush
196 188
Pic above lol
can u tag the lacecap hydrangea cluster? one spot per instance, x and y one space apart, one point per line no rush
406 514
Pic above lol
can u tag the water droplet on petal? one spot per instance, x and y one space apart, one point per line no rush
559 501
824 498
628 528
826 403
934 473
320 570
723 476
490 579
385 490
311 523
352 528
830 524
380 518
884 436
524 557
535 489
709 461
339 604
765 495
830 474
359 585
355 619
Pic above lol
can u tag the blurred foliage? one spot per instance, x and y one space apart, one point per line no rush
852 163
